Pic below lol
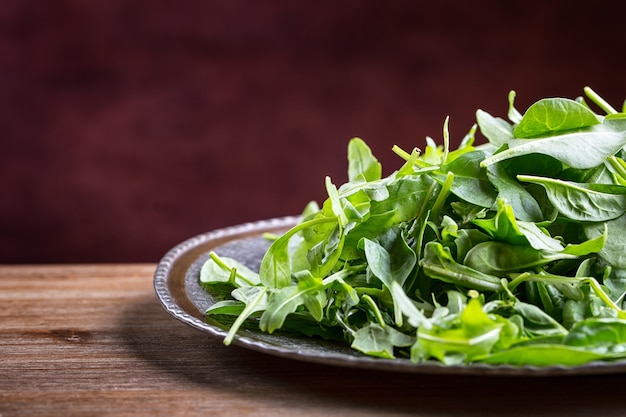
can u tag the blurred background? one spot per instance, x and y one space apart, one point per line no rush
128 127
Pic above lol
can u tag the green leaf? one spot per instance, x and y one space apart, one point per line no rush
391 267
275 270
375 340
552 115
498 131
224 269
513 115
537 321
255 299
362 165
587 247
404 199
514 194
583 202
466 240
315 295
601 335
503 225
335 203
499 258
470 179
472 335
323 257
384 260
226 307
438 263
285 301
408 307
542 355
584 148
614 249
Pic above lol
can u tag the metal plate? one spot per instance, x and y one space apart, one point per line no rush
176 284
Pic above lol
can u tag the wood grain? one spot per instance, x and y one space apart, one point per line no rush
93 340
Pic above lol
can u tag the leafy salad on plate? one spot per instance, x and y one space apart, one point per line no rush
508 252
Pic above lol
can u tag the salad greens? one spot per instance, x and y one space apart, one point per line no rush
508 252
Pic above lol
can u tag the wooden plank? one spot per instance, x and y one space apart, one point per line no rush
94 340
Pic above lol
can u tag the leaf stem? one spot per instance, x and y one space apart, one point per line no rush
375 310
233 271
250 308
446 141
599 101
443 195
401 152
619 166
595 285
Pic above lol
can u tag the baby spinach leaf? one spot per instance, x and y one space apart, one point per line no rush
502 226
470 179
407 198
614 248
602 335
536 164
583 202
391 267
542 355
466 240
513 193
498 131
499 258
226 307
587 247
584 148
537 322
553 115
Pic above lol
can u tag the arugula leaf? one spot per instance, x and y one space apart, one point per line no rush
255 300
393 267
460 339
375 340
285 301
227 270
363 166
275 270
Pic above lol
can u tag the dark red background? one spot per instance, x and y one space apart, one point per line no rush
127 127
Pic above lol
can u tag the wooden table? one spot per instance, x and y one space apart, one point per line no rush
94 340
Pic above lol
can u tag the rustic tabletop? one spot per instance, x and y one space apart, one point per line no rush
94 340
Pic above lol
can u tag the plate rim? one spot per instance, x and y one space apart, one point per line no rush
172 260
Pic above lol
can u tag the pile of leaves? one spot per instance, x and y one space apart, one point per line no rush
512 251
